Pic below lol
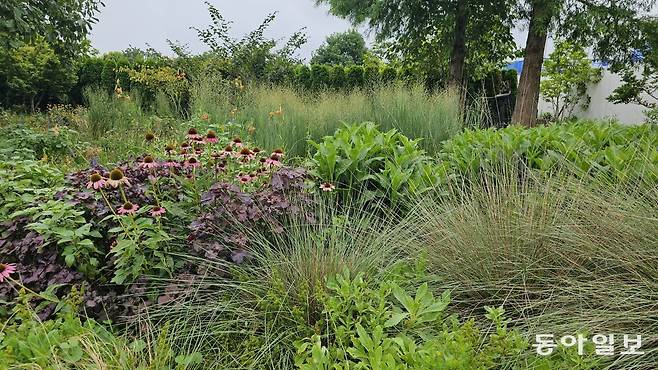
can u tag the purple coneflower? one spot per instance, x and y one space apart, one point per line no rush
149 137
192 134
237 142
148 162
327 187
117 178
96 181
245 154
158 211
191 162
211 137
169 148
278 152
273 161
6 269
244 178
128 209
228 151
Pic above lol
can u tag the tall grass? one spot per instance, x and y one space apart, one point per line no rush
304 115
561 255
252 319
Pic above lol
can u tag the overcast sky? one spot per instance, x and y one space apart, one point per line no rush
124 23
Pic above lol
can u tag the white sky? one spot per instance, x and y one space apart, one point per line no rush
124 23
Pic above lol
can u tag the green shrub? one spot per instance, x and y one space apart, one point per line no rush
608 150
69 342
362 159
381 326
23 141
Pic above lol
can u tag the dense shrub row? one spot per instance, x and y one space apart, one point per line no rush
113 68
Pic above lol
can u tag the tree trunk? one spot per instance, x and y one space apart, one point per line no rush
458 55
527 99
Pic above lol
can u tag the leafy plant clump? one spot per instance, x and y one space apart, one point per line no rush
360 159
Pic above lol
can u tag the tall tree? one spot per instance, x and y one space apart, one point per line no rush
342 48
606 25
421 29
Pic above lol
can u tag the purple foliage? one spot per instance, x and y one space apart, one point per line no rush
217 233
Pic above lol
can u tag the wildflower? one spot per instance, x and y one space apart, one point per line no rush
228 151
205 117
211 137
158 211
172 164
169 148
192 134
117 178
277 113
6 269
237 142
191 162
256 150
243 178
327 187
245 154
128 209
96 181
148 162
278 152
273 161
149 137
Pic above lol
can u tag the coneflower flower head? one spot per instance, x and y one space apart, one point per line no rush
128 209
6 269
96 181
117 178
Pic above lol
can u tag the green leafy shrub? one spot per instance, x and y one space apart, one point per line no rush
21 140
68 341
609 150
385 165
26 182
381 326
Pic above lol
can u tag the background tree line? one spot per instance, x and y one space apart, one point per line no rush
445 43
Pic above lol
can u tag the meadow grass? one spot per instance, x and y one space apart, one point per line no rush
562 255
283 116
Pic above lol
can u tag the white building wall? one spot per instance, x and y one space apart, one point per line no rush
600 107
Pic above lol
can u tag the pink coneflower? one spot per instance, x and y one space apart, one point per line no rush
149 137
6 269
273 161
237 142
278 152
191 162
198 151
158 211
171 164
211 137
228 151
245 154
327 187
243 178
117 178
192 134
256 150
128 209
169 148
148 162
96 181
